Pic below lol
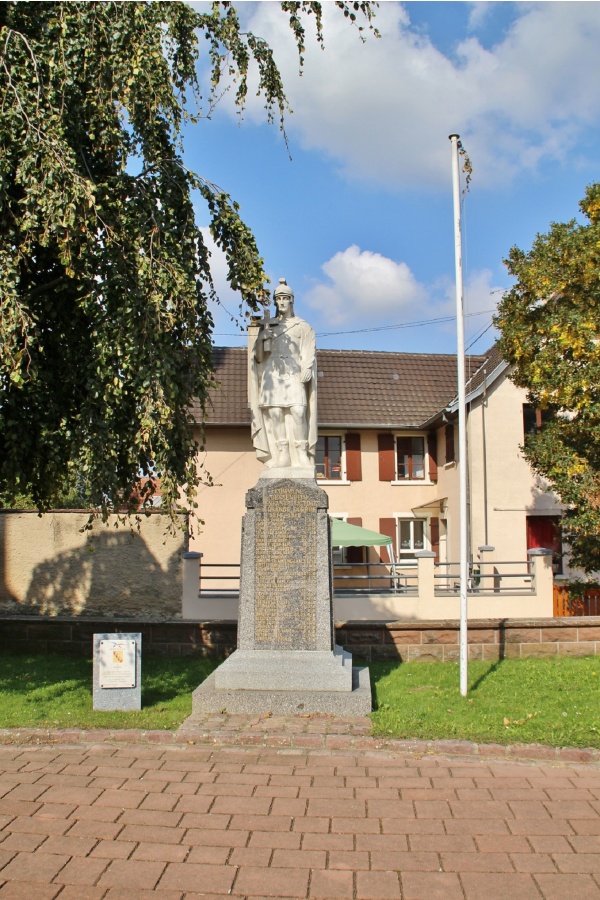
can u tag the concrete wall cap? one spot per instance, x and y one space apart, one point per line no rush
425 554
539 551
192 554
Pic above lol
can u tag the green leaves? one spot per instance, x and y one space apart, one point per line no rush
550 325
105 330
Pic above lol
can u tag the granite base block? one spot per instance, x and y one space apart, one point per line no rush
286 670
357 702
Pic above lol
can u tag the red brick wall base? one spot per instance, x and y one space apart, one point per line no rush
488 639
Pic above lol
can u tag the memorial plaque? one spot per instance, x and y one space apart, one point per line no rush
117 664
117 671
285 585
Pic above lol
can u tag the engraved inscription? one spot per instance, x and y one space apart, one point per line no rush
286 571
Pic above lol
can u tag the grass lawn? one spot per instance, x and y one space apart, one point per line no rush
543 701
547 701
56 692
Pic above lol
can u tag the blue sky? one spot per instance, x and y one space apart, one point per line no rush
360 219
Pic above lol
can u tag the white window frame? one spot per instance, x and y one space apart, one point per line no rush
411 434
339 554
409 555
343 479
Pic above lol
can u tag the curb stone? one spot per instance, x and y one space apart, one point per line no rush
287 740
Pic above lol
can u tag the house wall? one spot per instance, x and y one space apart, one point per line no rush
495 433
232 463
50 567
503 491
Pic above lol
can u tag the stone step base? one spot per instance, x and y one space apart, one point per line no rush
357 702
286 670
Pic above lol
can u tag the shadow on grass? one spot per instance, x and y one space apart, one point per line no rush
492 669
378 669
165 679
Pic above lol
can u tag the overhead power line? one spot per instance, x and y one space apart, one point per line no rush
419 324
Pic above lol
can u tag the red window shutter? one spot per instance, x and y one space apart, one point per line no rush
432 452
387 457
434 531
450 443
388 527
353 460
355 554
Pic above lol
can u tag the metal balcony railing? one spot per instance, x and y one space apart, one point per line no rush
486 578
360 578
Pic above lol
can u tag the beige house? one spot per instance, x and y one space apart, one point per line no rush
387 458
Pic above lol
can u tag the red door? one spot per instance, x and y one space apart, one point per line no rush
544 531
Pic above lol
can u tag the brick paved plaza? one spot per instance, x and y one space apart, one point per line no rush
111 820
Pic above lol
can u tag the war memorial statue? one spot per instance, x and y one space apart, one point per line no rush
286 660
282 388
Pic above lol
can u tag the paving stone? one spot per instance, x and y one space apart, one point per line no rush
578 862
557 887
209 856
353 860
405 862
300 859
256 882
431 886
81 892
19 890
114 849
500 886
377 886
73 846
213 838
121 893
249 856
100 830
330 842
327 884
37 866
129 873
18 841
439 843
162 852
82 871
533 862
153 834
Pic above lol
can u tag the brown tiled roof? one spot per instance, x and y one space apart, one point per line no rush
355 387
491 361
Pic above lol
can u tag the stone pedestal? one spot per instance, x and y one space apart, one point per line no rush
286 660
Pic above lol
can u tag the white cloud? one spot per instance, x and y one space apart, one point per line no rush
478 14
383 109
361 283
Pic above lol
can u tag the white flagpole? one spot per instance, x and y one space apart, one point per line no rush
462 429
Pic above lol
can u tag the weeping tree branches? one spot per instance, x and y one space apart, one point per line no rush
105 330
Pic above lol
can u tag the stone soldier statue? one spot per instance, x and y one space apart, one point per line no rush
282 388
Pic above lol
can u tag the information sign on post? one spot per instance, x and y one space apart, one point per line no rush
117 671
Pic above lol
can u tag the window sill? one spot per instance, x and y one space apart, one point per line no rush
414 481
330 481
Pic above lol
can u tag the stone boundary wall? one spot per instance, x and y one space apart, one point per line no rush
50 566
488 639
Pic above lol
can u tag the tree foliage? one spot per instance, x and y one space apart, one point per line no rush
550 325
105 330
